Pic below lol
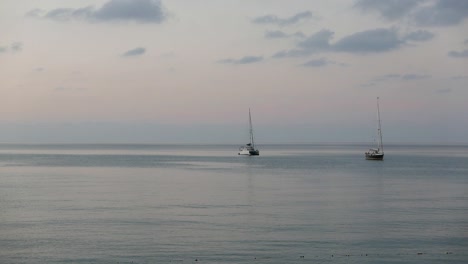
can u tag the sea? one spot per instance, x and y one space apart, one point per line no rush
302 203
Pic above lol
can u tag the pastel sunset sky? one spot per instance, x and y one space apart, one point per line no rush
180 71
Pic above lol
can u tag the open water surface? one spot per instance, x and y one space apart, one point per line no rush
206 204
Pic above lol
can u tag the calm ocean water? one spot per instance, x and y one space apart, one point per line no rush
206 204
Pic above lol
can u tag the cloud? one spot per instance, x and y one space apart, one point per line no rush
275 34
278 34
396 77
167 55
13 47
243 60
420 35
293 53
458 54
404 77
64 14
465 42
369 41
299 34
37 13
441 13
375 40
134 52
459 77
273 19
17 46
388 9
390 76
60 88
435 13
411 77
141 11
444 90
138 10
322 62
318 41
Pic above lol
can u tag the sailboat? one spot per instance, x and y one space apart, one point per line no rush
378 153
249 148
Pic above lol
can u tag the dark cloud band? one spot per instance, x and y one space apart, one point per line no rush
243 60
275 20
134 52
419 12
369 41
141 11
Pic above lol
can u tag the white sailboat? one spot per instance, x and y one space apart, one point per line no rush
378 153
249 148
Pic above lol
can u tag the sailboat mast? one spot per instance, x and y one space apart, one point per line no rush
380 126
251 130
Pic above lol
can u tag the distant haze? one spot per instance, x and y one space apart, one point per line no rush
146 71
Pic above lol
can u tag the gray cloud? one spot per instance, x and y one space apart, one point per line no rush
141 11
404 77
465 42
64 14
275 34
390 76
278 34
411 77
243 60
318 41
369 41
299 34
458 54
459 77
424 13
17 46
14 47
444 90
420 35
149 11
396 77
37 13
442 13
388 9
322 62
275 20
134 52
293 53
375 40
315 43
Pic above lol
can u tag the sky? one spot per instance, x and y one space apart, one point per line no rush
180 71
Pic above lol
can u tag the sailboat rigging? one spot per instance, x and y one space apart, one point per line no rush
249 148
378 153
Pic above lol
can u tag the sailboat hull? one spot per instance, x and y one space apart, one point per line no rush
244 152
254 152
374 156
248 151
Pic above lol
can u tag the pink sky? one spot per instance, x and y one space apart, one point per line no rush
309 66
